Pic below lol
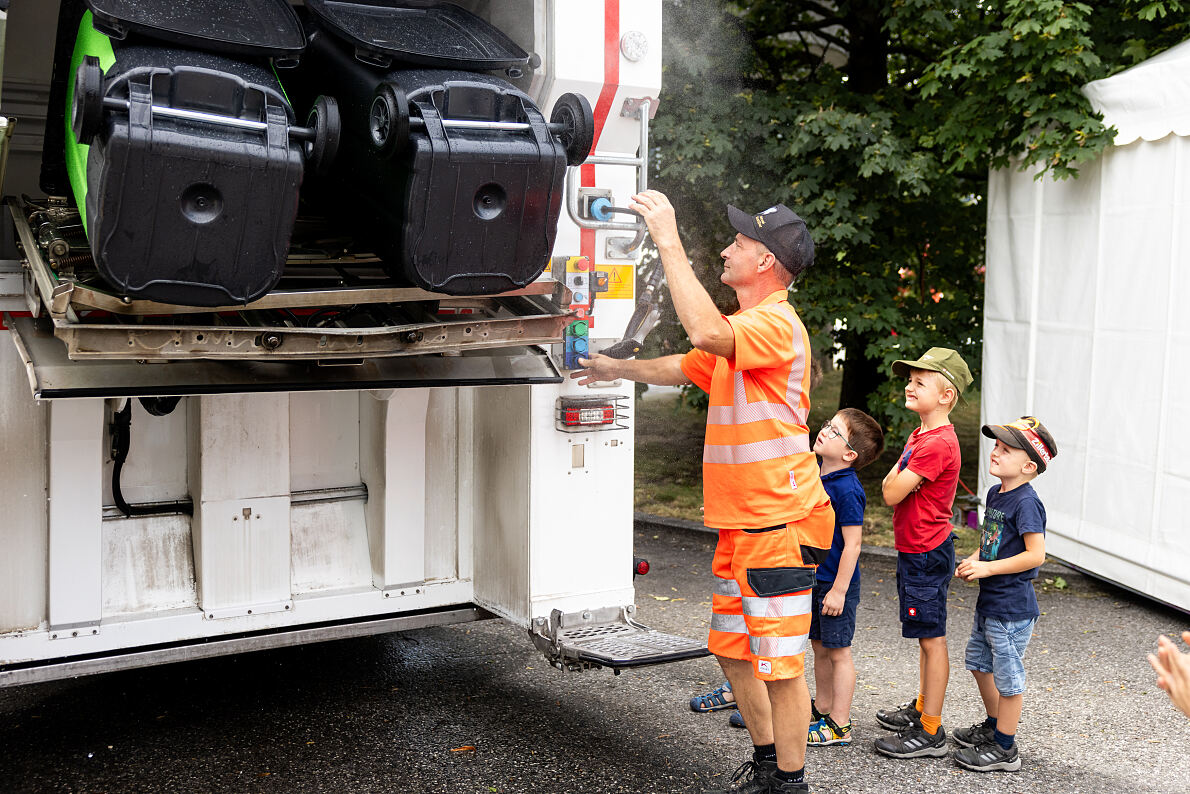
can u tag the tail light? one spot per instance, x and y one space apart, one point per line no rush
582 414
640 566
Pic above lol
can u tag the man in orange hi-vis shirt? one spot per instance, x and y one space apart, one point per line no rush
760 479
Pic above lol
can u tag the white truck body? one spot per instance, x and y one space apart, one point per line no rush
326 510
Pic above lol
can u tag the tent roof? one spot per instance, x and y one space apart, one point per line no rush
1150 100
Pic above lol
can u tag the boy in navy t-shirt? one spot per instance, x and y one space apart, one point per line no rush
1011 549
848 442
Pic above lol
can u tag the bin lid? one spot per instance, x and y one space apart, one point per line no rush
264 28
423 32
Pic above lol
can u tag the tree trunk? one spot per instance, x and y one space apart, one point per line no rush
867 71
861 375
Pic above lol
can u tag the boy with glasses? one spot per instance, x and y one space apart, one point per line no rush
847 443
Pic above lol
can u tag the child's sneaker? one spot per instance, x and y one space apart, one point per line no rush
989 757
977 734
899 718
826 732
914 742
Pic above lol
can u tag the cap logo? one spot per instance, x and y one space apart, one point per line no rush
760 221
1026 426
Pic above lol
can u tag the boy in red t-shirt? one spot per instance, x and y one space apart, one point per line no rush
921 488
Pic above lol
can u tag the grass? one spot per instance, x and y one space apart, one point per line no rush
669 438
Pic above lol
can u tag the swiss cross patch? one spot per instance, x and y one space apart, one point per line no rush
912 612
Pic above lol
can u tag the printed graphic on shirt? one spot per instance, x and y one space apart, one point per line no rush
792 480
993 531
904 460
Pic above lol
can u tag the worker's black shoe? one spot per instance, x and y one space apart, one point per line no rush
914 742
899 718
753 777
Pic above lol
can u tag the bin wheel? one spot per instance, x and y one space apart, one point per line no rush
86 115
324 118
388 119
573 112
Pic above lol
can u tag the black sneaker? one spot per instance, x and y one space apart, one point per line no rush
914 742
989 757
977 734
900 718
753 777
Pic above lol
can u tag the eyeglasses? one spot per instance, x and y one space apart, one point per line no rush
833 432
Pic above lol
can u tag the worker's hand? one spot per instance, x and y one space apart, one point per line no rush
971 569
1173 671
832 603
597 368
658 213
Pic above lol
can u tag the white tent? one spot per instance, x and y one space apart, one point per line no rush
1087 326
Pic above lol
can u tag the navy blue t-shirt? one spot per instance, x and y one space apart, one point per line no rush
1009 516
849 500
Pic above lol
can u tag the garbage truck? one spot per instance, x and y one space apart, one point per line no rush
288 296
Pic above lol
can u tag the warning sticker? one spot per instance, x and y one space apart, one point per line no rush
621 281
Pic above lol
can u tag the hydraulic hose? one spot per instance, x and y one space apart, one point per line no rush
121 440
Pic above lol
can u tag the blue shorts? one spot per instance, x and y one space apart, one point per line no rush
922 582
834 631
997 647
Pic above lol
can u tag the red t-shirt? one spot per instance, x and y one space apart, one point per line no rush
921 522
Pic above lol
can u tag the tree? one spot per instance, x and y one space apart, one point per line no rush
877 122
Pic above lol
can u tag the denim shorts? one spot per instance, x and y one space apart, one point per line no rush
997 646
834 631
922 582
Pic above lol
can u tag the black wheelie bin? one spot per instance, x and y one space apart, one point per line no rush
448 172
180 146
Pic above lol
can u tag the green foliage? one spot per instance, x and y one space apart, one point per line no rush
877 122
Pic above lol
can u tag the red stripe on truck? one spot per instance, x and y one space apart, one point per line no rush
611 83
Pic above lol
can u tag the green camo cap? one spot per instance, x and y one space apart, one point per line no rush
939 359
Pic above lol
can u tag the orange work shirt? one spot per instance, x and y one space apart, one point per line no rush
757 467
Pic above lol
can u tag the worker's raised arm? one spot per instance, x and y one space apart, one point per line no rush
698 314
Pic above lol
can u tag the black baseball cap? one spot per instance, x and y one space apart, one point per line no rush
781 231
1028 434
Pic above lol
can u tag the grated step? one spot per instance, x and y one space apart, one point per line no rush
626 645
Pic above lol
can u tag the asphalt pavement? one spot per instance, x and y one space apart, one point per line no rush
474 708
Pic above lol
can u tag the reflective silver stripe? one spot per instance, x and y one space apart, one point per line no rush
773 647
757 450
793 389
743 412
726 587
729 624
777 606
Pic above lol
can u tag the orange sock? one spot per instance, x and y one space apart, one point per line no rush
920 700
931 723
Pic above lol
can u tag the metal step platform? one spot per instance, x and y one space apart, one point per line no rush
607 637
